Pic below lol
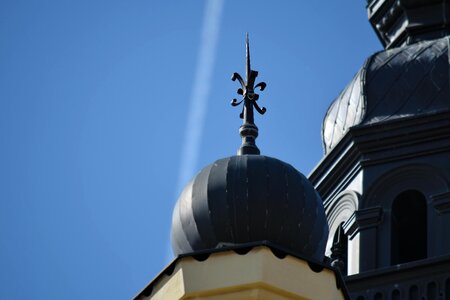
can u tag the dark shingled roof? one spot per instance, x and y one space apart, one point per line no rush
392 84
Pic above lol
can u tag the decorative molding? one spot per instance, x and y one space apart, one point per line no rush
424 178
363 219
403 22
338 167
385 142
346 202
441 202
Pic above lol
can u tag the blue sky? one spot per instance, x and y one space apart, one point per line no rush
94 105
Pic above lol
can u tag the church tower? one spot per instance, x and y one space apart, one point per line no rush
385 177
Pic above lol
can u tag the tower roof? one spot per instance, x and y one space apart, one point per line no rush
392 84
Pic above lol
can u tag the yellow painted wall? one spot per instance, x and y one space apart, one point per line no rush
256 275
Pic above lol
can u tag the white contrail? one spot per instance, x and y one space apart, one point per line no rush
200 92
199 96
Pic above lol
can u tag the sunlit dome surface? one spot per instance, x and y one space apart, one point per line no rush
250 198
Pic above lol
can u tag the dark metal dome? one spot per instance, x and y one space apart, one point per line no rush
250 198
393 84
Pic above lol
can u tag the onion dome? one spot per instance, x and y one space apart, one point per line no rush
250 198
393 84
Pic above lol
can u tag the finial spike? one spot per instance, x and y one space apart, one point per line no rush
247 56
248 130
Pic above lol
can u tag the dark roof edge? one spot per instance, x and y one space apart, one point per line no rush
243 249
347 153
399 268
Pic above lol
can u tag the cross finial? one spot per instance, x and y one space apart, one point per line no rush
248 130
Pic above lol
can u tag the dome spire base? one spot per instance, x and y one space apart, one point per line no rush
249 133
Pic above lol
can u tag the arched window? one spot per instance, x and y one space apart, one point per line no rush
408 227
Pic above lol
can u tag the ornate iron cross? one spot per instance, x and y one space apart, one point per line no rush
248 130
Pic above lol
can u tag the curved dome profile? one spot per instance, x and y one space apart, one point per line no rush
250 198
393 84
